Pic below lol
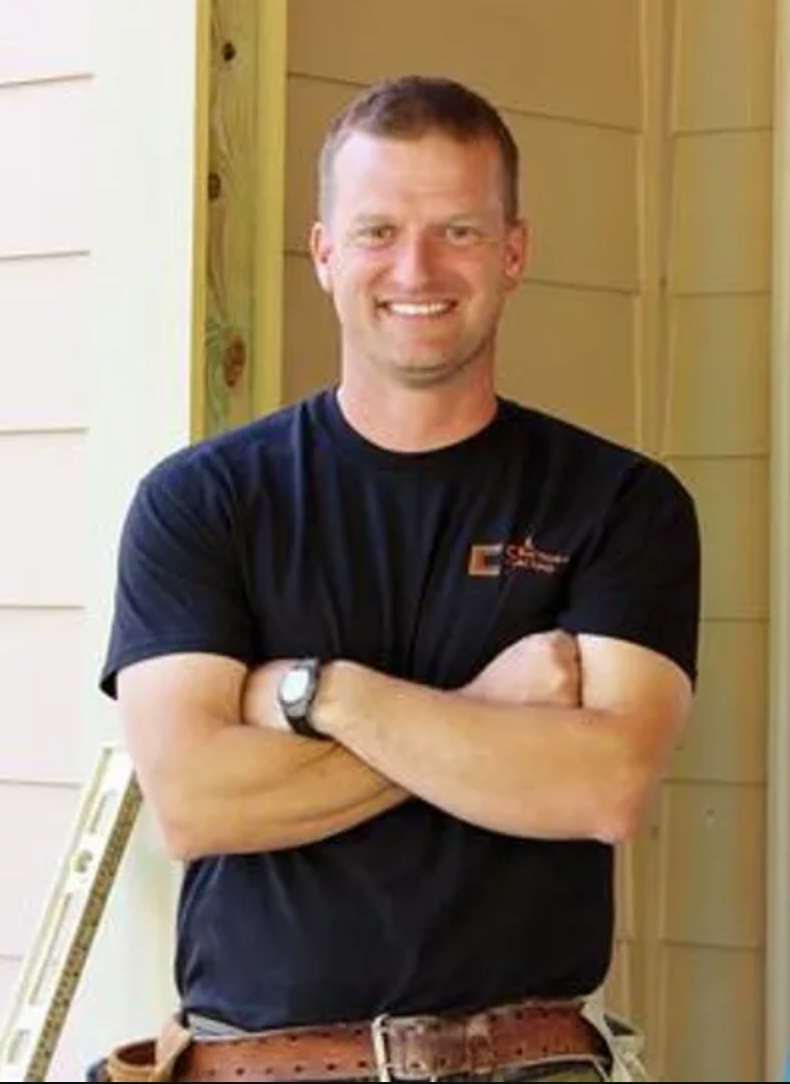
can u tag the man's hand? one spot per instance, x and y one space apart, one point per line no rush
542 668
259 704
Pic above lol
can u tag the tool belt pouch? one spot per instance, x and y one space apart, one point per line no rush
149 1059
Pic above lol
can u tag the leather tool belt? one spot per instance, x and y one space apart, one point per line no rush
406 1048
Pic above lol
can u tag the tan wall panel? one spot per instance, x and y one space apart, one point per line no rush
732 500
722 79
574 58
583 234
570 352
45 321
29 855
311 105
713 836
45 194
310 346
42 676
625 881
43 543
713 1003
719 355
29 52
725 740
619 983
721 211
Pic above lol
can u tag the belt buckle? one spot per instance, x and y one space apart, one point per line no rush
381 1053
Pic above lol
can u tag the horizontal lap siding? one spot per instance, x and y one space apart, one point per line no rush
562 58
46 98
712 820
45 309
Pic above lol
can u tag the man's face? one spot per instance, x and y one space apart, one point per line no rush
417 255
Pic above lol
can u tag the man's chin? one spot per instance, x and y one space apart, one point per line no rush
427 372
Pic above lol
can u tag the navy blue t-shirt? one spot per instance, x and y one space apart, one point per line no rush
295 536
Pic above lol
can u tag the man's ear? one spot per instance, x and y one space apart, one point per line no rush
517 251
321 250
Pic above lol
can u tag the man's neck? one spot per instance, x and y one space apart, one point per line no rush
417 420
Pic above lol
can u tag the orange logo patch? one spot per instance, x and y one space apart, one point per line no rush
501 558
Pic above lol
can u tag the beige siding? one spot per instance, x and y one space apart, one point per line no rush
44 39
711 924
46 95
546 57
724 76
587 373
31 855
42 547
715 1042
45 308
721 226
722 342
726 742
95 265
46 184
37 645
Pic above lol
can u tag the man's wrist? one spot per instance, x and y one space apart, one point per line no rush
297 693
324 715
331 707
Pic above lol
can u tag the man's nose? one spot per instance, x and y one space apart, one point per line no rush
415 260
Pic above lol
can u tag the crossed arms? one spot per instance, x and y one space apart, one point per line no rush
557 737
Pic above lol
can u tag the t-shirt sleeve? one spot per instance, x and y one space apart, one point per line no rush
180 574
639 577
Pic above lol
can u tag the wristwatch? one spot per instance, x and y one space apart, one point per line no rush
296 693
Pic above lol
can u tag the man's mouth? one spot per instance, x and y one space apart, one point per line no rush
417 309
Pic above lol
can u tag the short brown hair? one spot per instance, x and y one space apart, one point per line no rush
411 106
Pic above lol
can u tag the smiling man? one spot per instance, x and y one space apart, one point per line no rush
400 664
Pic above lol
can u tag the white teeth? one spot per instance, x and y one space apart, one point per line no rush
411 308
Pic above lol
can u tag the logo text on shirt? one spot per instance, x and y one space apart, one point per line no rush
504 558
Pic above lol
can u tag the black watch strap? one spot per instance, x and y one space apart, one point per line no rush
296 694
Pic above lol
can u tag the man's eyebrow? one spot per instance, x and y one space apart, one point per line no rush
365 217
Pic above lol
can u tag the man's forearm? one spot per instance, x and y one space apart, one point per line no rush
299 791
255 790
525 770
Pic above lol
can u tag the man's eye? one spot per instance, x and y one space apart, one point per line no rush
374 234
460 234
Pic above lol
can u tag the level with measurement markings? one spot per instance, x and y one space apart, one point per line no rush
51 971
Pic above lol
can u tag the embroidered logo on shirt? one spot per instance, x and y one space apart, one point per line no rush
503 558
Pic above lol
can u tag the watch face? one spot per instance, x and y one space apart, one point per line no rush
295 684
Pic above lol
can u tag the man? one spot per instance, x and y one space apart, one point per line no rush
400 664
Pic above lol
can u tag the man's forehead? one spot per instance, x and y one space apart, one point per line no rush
359 143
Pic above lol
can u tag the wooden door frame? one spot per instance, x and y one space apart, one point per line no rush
240 211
